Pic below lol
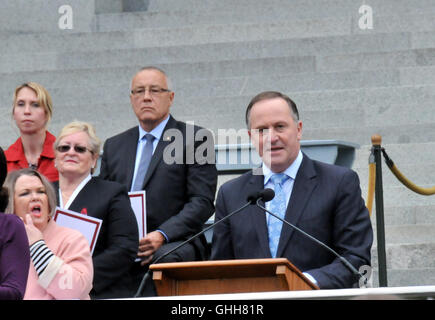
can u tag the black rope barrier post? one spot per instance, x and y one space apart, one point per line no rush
380 224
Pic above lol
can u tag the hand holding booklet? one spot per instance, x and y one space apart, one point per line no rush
88 226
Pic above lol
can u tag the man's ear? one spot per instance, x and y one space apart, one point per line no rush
299 130
171 96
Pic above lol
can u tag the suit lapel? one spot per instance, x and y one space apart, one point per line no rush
130 155
55 185
303 187
82 196
257 215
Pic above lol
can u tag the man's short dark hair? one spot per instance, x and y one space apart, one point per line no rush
266 95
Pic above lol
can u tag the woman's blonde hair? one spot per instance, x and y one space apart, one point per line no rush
44 98
11 181
80 126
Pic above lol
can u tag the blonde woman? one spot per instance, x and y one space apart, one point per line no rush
32 110
77 149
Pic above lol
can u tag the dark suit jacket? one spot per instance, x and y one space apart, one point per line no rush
117 243
180 195
325 202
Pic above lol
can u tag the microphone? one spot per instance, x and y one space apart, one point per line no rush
265 195
251 199
269 194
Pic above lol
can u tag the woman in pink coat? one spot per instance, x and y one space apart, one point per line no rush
61 265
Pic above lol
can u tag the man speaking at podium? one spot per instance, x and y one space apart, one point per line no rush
321 199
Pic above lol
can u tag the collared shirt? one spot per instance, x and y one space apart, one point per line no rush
157 133
287 187
16 158
74 194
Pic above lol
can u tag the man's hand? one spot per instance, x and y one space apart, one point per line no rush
148 245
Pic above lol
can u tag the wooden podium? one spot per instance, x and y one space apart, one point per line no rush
228 276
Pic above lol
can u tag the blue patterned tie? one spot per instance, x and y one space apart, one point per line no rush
145 160
278 207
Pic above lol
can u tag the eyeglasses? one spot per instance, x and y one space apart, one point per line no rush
78 149
154 91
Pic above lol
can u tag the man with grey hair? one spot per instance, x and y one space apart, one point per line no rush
180 193
321 199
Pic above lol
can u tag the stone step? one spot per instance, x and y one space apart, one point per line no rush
324 37
409 133
407 234
216 123
173 19
213 87
406 215
222 13
421 22
225 115
348 21
401 196
64 43
177 71
18 17
376 60
108 6
420 174
114 50
407 256
389 23
190 35
423 40
378 100
252 85
399 153
362 135
312 120
305 8
407 277
404 60
417 76
320 116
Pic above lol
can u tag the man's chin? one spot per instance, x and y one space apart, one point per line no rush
276 166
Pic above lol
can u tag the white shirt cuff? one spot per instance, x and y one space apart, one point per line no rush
310 277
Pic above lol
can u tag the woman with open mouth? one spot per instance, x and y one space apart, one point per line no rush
61 265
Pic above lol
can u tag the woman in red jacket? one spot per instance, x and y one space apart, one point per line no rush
32 110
